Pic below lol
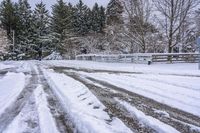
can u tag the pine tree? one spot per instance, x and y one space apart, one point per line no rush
98 18
114 13
60 23
102 19
114 25
25 32
81 24
60 18
8 16
95 16
42 30
71 10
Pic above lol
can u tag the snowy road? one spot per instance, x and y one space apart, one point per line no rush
77 97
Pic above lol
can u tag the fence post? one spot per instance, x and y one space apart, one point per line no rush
199 52
199 56
198 44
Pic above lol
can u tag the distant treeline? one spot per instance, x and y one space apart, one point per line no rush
127 26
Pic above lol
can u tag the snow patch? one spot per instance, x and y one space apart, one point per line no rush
54 56
162 113
3 66
148 120
10 87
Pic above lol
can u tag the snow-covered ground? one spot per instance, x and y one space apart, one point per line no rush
45 118
4 66
26 120
158 125
84 108
10 87
178 68
85 96
177 91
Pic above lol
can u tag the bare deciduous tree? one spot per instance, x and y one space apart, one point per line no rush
197 21
139 28
172 18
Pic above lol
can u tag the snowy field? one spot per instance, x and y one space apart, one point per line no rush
180 68
95 97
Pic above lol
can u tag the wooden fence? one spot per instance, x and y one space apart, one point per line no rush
176 58
143 57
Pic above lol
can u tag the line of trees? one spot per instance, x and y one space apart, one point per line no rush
155 25
125 26
35 33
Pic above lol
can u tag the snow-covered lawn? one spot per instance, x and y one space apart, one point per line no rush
177 68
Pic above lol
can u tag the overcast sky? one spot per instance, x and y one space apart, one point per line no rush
48 3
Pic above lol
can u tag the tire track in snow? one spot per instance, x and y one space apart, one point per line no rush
85 110
15 108
117 71
155 123
169 95
149 106
59 114
46 121
27 121
112 107
177 117
12 112
3 73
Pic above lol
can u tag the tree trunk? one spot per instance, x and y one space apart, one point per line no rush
144 45
170 51
170 47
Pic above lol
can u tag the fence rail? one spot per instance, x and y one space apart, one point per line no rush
143 57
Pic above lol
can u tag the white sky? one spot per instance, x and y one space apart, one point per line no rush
48 3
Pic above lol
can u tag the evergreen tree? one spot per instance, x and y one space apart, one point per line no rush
60 18
71 10
8 16
41 16
114 25
81 22
25 32
95 17
60 23
102 18
114 13
98 18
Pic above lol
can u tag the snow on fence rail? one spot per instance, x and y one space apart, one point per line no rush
142 57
